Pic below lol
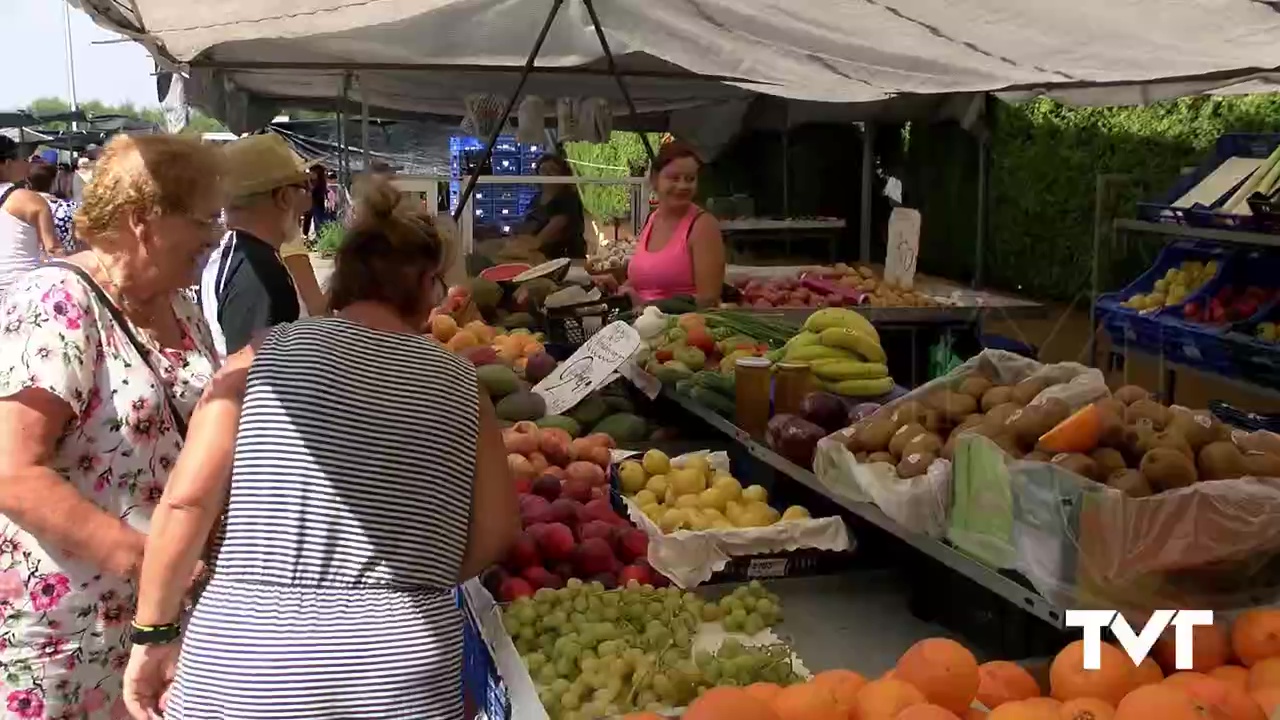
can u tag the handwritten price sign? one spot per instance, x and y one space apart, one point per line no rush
588 368
904 247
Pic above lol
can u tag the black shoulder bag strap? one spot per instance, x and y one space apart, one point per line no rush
179 422
7 192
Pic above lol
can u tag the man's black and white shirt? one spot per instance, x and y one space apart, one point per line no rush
244 289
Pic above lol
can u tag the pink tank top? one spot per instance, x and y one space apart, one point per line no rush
669 271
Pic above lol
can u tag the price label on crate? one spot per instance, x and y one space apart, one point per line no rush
903 247
1192 351
767 568
590 367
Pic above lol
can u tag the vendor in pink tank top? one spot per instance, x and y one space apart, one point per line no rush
680 251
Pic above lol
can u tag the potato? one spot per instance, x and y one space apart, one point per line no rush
934 421
927 443
1173 441
881 456
860 457
904 435
1198 427
910 411
1221 461
954 406
1109 461
1112 433
1027 390
1129 482
1111 405
1147 410
1082 465
1129 394
1029 423
975 386
856 432
1055 410
1007 443
1037 456
875 437
1001 413
1167 469
998 395
915 464
1136 440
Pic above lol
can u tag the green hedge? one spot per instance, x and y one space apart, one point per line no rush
1045 161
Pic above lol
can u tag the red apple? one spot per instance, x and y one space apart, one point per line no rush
566 511
554 540
547 486
514 588
632 544
577 490
523 553
539 577
638 573
593 556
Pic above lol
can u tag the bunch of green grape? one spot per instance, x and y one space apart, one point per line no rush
594 653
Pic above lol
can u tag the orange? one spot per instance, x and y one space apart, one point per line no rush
1113 679
884 699
926 711
1157 702
763 691
1212 649
1148 673
1232 675
728 702
1268 699
1217 699
844 686
1001 681
1256 636
1264 674
1029 709
807 701
1086 709
943 670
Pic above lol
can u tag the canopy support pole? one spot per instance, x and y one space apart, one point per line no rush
613 70
465 196
868 175
344 152
984 153
364 120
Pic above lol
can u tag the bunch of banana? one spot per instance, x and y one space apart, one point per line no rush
843 350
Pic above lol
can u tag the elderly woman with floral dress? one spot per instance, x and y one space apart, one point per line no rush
101 363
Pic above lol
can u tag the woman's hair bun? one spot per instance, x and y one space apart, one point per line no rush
376 200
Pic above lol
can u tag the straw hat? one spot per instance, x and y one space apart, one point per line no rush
261 163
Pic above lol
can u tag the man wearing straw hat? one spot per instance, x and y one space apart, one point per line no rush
245 286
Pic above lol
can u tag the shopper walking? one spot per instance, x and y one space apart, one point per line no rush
26 221
245 286
100 365
42 180
366 477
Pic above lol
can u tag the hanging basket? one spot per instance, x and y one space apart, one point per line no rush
484 115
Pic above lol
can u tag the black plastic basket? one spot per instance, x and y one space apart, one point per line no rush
573 324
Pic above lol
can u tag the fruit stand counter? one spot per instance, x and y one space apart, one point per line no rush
1000 585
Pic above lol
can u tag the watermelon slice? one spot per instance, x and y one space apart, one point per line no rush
505 272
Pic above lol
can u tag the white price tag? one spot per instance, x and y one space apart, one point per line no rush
648 384
620 455
767 568
589 368
903 247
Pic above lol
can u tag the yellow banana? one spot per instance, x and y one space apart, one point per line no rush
861 388
802 339
828 318
809 353
837 370
854 341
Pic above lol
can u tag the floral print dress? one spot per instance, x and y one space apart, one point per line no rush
63 640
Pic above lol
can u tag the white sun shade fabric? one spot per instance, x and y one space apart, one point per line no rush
836 51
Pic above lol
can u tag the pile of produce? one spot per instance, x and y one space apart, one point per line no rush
1127 440
880 292
1175 287
1229 305
795 437
696 496
570 527
939 679
842 348
808 291
595 653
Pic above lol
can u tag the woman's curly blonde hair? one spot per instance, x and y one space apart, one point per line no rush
157 174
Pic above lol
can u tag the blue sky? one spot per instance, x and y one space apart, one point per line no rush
36 66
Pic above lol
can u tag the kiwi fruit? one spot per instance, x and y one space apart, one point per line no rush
1136 438
1027 390
999 414
997 395
1173 441
1111 433
1167 469
1082 465
915 464
861 457
1199 428
1129 482
910 411
1109 461
853 441
971 421
975 386
1055 410
954 406
1111 405
876 435
1149 410
881 456
1008 443
1038 456
1221 461
926 443
1264 442
904 435
1262 465
934 421
1029 423
1130 394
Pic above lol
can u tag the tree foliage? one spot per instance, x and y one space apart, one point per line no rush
616 158
199 122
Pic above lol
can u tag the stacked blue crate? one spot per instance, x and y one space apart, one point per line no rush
502 204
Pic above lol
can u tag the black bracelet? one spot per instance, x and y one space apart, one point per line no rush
154 634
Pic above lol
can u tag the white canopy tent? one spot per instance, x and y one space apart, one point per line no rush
244 57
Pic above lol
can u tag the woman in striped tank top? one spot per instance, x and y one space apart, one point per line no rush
366 478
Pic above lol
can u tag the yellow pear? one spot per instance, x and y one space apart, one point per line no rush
712 499
728 485
632 477
755 493
688 502
657 485
645 497
656 462
700 463
757 515
672 520
653 511
687 481
698 521
733 511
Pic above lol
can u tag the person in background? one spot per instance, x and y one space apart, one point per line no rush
680 250
83 174
62 186
363 475
42 179
101 364
318 215
245 287
555 224
26 221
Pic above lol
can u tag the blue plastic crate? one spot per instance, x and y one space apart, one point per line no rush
1205 345
534 150
482 685
1251 145
1144 329
507 210
506 166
